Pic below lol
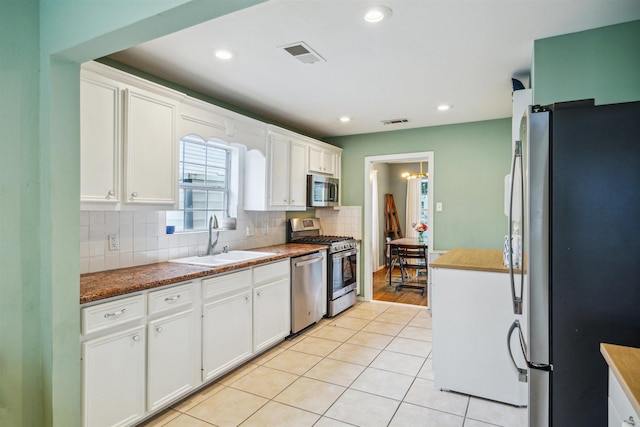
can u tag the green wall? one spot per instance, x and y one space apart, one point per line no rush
20 346
471 160
603 63
42 44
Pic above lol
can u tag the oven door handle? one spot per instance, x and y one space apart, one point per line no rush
344 253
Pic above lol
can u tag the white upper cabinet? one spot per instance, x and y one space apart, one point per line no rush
128 141
324 160
100 139
276 175
287 173
150 160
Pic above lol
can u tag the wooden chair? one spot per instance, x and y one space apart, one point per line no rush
391 254
413 258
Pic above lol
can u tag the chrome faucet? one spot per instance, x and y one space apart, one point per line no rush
213 223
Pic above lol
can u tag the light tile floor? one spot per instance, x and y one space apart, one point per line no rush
370 366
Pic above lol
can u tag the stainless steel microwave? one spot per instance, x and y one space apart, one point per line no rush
322 191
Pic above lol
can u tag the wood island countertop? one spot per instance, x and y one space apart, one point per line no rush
472 259
122 281
625 365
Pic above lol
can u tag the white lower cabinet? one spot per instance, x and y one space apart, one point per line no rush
621 412
141 353
271 304
171 351
113 372
226 323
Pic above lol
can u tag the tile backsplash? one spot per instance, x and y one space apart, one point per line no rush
346 221
142 237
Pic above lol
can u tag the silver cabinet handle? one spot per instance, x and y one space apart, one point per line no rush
159 329
630 421
172 299
111 193
115 313
246 298
136 338
134 194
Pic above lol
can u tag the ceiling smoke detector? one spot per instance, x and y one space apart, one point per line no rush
303 53
394 121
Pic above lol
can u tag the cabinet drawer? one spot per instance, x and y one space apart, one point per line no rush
220 285
267 273
166 299
103 316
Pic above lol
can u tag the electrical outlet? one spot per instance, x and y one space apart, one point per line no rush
247 231
114 242
439 207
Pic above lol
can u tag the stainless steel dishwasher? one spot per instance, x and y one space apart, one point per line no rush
306 291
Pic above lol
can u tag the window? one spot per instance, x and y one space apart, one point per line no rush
424 200
203 184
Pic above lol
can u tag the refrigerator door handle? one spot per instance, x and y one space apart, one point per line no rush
517 155
522 372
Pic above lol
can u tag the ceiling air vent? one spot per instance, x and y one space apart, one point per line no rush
394 121
303 53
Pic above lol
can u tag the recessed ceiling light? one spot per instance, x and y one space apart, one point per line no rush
377 13
444 107
224 54
345 119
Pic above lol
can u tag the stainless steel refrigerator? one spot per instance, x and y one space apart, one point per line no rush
581 240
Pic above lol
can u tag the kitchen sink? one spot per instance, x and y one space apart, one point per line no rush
236 256
223 258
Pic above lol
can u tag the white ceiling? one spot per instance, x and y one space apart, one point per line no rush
461 52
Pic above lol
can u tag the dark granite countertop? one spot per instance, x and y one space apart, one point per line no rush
122 281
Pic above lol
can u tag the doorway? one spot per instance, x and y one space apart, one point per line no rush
368 250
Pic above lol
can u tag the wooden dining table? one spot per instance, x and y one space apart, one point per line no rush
405 241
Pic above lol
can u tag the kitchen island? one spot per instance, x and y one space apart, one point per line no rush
472 312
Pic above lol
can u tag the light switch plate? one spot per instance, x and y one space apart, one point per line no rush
439 206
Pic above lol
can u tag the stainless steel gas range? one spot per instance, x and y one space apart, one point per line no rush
342 268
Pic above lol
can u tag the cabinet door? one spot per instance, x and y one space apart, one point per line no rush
315 159
322 161
328 163
100 140
271 313
278 172
150 149
113 372
171 358
226 333
298 175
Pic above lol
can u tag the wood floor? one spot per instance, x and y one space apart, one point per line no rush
383 292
